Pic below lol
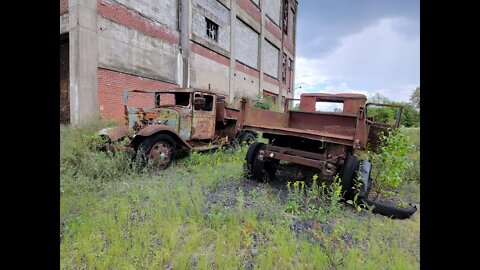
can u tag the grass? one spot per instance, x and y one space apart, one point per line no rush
201 214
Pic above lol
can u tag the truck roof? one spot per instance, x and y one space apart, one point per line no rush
339 96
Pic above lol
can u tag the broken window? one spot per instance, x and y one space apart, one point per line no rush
212 30
285 17
292 26
290 70
172 99
203 102
284 68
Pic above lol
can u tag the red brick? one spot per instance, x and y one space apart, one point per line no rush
251 9
270 79
63 6
125 16
111 85
247 70
212 55
273 29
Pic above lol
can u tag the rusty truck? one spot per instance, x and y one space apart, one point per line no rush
319 141
179 120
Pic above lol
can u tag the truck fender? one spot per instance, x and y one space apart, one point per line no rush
154 129
115 133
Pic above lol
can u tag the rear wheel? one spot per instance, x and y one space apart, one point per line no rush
157 151
263 170
347 174
249 158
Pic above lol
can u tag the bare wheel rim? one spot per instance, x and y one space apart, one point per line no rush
160 154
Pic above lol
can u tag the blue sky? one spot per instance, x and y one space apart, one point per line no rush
358 46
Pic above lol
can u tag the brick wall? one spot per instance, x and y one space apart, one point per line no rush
111 85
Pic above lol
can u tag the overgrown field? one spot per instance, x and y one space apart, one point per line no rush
201 214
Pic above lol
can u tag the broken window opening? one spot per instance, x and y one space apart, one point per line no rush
207 106
285 17
172 99
284 68
212 30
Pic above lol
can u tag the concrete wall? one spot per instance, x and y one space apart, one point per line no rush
215 12
245 85
246 44
273 9
205 72
64 23
164 12
270 59
124 49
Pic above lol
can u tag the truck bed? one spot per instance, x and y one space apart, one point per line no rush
328 127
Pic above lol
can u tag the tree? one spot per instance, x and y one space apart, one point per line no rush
415 98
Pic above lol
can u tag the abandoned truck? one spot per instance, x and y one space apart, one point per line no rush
180 120
324 143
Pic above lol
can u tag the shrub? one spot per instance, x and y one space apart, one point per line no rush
390 162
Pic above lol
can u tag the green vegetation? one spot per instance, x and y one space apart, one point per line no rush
265 103
410 112
201 214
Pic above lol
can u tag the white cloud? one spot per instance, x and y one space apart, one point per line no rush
379 59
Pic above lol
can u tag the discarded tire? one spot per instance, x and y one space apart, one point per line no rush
390 210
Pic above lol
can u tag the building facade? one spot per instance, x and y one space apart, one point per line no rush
239 48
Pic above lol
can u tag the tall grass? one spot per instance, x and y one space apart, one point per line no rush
199 214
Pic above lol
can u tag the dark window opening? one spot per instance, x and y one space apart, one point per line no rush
212 30
172 99
328 106
284 68
285 17
207 106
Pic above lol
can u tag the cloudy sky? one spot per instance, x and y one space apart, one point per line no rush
359 46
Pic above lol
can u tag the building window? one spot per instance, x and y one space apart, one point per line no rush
284 68
212 30
292 26
290 70
285 17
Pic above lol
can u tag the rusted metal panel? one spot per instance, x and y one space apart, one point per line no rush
258 117
309 134
325 122
290 151
351 102
296 159
203 122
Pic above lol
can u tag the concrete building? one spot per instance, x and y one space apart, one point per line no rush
239 48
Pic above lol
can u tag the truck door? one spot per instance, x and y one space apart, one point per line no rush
203 123
377 122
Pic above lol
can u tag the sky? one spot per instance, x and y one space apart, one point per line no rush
358 46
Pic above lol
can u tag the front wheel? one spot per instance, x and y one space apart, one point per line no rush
156 151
